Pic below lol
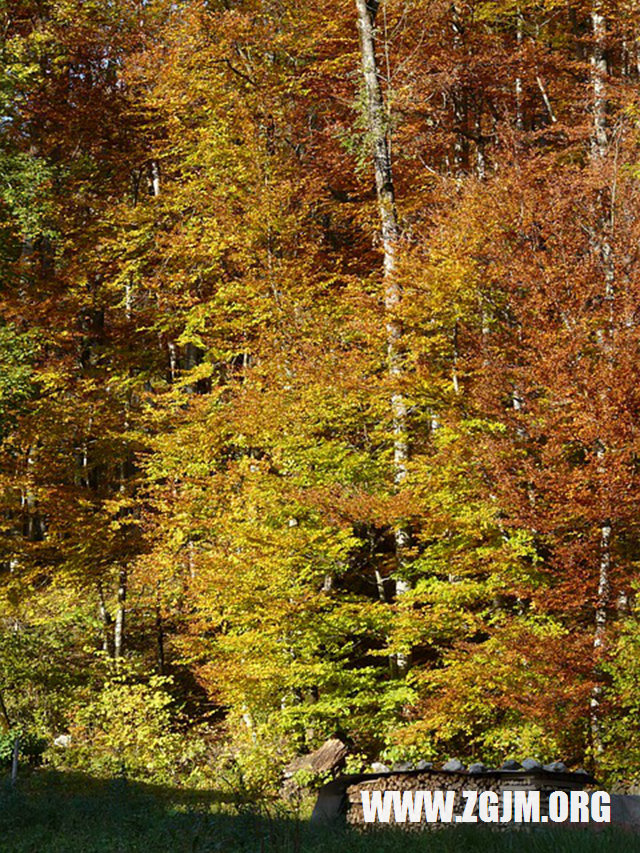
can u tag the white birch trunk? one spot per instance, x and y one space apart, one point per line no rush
599 144
119 627
518 83
480 158
460 145
173 361
154 178
454 371
390 233
602 602
598 74
545 97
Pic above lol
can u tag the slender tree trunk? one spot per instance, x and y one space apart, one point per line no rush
599 144
107 621
173 361
456 355
4 714
545 98
154 178
460 105
603 584
599 139
119 628
390 233
382 596
602 602
160 636
481 164
598 73
35 526
518 83
14 760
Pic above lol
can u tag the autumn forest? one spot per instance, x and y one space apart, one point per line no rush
319 383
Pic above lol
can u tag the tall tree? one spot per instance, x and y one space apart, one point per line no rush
379 130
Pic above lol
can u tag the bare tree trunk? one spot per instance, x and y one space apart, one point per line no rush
518 84
599 144
456 355
390 233
480 157
35 527
107 621
119 629
545 97
602 602
173 361
6 722
460 105
382 596
160 636
599 139
154 178
603 585
14 760
598 73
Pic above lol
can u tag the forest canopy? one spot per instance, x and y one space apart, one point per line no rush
319 381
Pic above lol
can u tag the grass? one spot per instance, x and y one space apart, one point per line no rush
72 813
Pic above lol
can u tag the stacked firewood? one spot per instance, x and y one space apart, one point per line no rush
497 781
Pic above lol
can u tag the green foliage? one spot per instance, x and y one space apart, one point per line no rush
31 747
622 736
252 763
41 677
129 729
25 183
17 385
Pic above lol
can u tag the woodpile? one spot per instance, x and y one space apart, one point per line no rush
342 798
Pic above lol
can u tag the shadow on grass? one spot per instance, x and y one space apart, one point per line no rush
53 812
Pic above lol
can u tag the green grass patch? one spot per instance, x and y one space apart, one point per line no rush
72 813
